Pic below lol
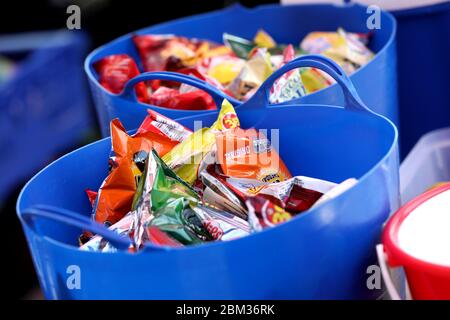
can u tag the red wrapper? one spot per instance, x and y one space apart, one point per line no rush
164 52
173 99
114 72
263 214
158 237
294 195
92 196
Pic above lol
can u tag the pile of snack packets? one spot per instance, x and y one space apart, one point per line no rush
237 68
170 186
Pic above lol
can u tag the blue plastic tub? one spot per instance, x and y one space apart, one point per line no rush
376 82
44 106
323 253
423 71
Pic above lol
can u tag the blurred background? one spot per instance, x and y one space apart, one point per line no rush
46 105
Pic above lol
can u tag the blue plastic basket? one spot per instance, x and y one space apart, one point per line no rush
323 253
44 107
423 71
287 24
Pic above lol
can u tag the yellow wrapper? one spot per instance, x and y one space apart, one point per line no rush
185 157
344 48
264 40
257 69
313 80
226 70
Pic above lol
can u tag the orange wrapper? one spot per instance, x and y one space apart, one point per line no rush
249 154
115 196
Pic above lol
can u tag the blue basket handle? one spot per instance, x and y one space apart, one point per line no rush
216 94
352 99
83 223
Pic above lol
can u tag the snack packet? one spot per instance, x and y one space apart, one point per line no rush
263 40
290 85
180 222
249 154
158 188
264 214
222 68
347 49
177 99
186 157
221 225
314 79
295 195
99 244
240 46
127 163
256 69
171 53
114 72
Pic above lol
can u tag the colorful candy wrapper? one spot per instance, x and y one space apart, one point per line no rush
221 225
257 69
180 222
249 154
127 163
222 68
264 214
158 237
99 244
186 157
156 190
347 49
240 46
201 72
290 85
218 195
114 72
264 40
158 51
159 187
177 99
314 79
171 53
92 196
295 195
164 126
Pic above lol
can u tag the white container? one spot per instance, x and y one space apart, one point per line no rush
427 164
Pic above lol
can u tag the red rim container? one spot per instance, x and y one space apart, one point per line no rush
427 281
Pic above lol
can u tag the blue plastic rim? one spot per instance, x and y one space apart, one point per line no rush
323 253
287 24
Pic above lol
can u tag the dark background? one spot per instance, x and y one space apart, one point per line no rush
103 20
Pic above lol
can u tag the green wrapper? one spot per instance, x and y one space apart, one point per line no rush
179 221
240 46
162 184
